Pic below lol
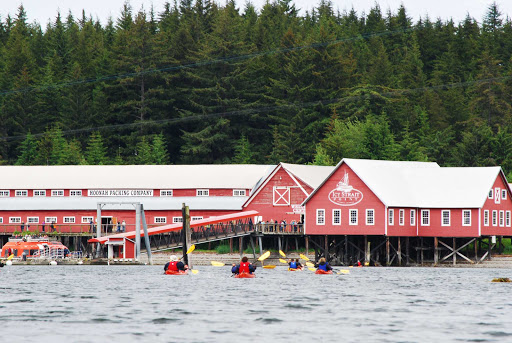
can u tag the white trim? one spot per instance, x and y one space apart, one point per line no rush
204 192
57 193
166 193
490 195
497 195
350 216
68 220
40 193
428 217
177 220
463 217
494 217
479 222
14 220
503 194
391 213
87 219
401 217
4 193
507 218
373 216
320 214
32 220
297 182
21 193
239 192
49 220
412 217
160 220
334 210
486 220
501 218
1 220
78 192
442 217
281 196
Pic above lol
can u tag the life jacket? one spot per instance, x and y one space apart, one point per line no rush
293 265
173 266
244 267
322 266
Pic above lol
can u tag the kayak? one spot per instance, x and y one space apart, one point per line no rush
174 272
294 269
319 271
244 276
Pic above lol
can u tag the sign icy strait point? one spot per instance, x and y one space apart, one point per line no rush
344 194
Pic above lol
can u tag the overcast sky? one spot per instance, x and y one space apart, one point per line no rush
43 10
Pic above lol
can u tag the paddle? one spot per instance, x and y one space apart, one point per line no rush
11 256
282 253
192 248
217 264
269 266
312 269
264 256
309 264
283 261
304 257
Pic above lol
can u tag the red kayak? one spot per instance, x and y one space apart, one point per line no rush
320 271
244 276
176 272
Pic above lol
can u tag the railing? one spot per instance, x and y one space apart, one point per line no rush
280 229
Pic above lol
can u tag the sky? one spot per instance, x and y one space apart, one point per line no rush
44 10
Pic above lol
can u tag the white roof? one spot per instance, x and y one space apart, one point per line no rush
424 184
310 174
243 176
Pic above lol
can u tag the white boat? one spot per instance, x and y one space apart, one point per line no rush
343 184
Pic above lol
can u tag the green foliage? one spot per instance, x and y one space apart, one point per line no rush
222 249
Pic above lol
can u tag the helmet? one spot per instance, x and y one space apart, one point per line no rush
174 258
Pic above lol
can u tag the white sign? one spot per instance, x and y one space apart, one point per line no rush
120 192
298 209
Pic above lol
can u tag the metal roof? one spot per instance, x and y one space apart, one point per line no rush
150 203
243 176
310 174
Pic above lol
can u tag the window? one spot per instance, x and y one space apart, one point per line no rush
160 220
1 220
507 218
486 218
177 219
196 218
32 220
502 218
425 217
466 217
336 217
57 193
14 220
166 192
390 217
413 217
320 217
504 194
445 218
39 193
490 195
401 215
75 193
4 193
494 218
69 220
19 193
50 220
353 217
370 217
202 192
238 192
281 196
497 195
87 220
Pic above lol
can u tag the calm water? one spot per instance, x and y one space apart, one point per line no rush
140 304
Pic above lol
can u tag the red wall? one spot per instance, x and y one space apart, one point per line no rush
321 201
263 201
504 205
402 230
455 229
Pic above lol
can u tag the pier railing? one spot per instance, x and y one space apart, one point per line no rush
280 228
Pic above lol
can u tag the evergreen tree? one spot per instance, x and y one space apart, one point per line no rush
28 151
96 153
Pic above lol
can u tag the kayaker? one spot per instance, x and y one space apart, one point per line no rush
323 265
299 265
292 264
175 264
243 267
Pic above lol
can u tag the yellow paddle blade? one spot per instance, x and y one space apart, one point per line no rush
367 264
309 264
10 257
312 269
343 271
282 253
264 256
283 261
351 266
304 257
217 264
194 271
269 267
192 248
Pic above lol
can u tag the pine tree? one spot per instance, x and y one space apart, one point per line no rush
159 150
96 153
28 151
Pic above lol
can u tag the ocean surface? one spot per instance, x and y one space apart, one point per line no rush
141 304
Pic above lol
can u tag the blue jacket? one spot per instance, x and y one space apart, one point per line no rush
293 265
324 266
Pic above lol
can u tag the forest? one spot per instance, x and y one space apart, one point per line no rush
204 83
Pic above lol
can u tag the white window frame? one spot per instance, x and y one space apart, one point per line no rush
87 220
196 218
285 196
391 216
442 218
494 218
166 193
1 220
336 213
464 212
502 218
57 192
49 220
176 220
32 220
427 212
202 192
68 220
160 220
372 216
503 194
401 219
507 218
39 193
21 193
75 193
351 211
486 217
497 195
239 192
320 216
491 192
14 220
412 217
5 193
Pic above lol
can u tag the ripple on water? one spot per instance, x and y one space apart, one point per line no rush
298 306
269 320
165 320
19 301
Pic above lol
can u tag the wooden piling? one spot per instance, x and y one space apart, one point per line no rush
436 252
